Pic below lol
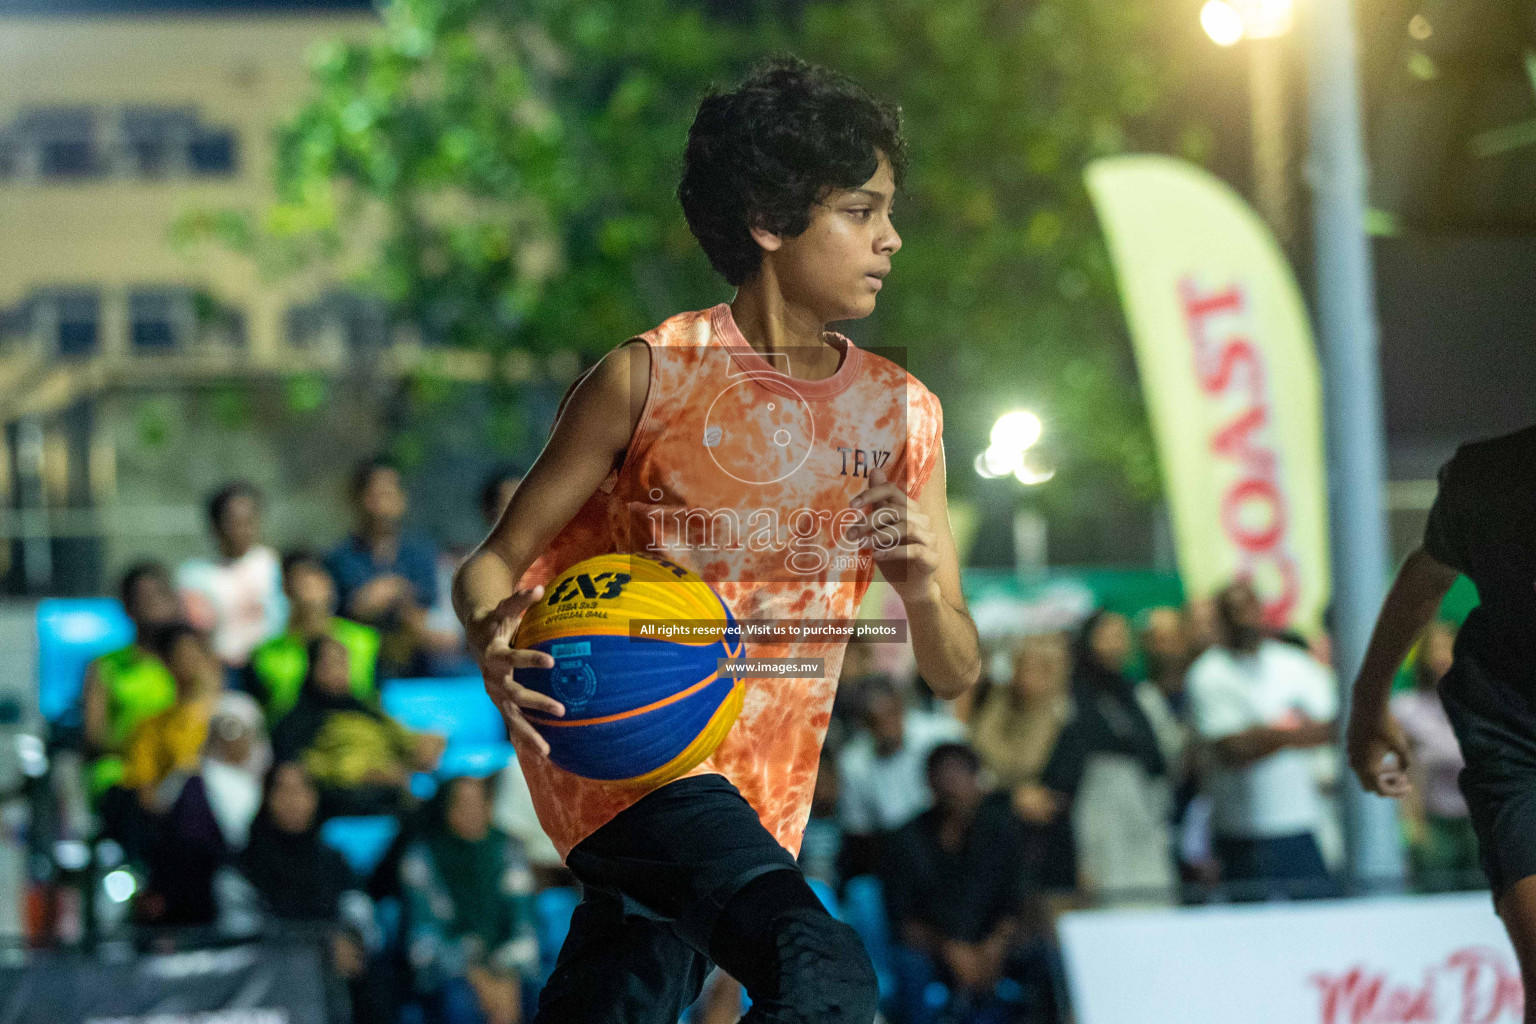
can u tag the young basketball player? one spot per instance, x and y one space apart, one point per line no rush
1480 525
783 464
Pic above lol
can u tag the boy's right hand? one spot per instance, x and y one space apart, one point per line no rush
498 661
1378 752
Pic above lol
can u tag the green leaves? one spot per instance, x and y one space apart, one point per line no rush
504 176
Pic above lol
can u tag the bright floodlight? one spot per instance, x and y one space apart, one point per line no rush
120 886
999 460
1028 475
1266 19
1016 431
1221 22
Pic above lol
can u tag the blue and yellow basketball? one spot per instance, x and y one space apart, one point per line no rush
638 710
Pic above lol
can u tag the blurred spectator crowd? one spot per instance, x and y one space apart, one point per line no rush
1186 755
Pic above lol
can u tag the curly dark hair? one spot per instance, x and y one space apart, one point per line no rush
765 152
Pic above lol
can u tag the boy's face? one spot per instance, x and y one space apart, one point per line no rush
239 525
828 267
309 586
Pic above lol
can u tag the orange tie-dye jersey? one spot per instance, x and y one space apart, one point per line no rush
743 473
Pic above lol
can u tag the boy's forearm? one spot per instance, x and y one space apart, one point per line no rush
482 582
1414 599
945 643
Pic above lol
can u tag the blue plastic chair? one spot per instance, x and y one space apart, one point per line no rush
552 910
71 632
827 895
479 760
864 911
362 839
455 708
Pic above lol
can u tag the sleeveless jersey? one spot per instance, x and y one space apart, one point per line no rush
743 474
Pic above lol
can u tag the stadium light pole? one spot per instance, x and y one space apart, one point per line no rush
1261 26
1350 357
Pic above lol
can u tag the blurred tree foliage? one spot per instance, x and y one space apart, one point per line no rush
502 174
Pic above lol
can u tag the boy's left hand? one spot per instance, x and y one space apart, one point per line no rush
898 535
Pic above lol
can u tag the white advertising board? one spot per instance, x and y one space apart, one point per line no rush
1398 960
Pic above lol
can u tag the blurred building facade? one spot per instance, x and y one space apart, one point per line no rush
135 378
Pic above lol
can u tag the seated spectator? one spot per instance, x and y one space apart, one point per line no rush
1015 732
235 761
165 749
956 895
209 820
278 666
237 596
1442 848
387 578
1109 766
300 883
359 757
1262 706
884 785
132 683
469 904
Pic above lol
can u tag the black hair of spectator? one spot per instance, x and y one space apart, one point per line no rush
163 639
226 494
362 476
269 783
434 815
491 489
960 752
139 571
769 149
303 557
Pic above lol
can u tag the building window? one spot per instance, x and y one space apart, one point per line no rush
145 142
217 323
79 322
157 319
10 156
212 152
155 139
65 138
356 321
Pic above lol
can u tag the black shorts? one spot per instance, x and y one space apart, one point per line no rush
654 880
1496 727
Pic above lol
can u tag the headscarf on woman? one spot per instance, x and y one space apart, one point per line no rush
468 892
298 876
299 727
236 756
1109 719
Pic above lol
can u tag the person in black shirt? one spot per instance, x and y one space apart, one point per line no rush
1483 525
957 892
